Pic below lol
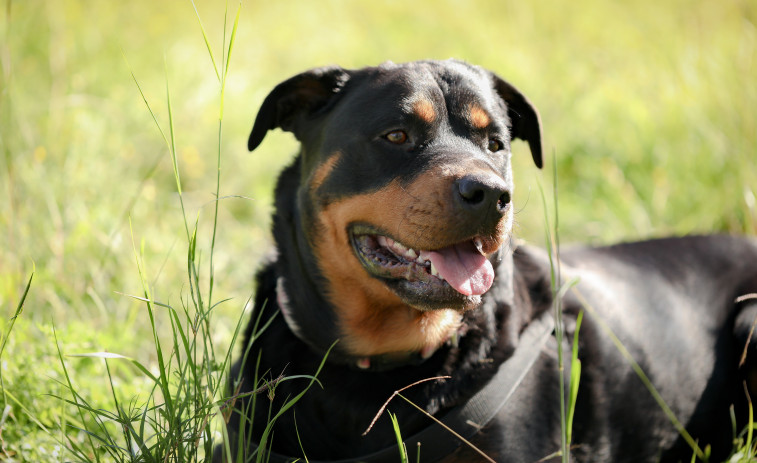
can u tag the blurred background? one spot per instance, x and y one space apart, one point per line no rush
649 111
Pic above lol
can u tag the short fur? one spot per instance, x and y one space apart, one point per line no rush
420 152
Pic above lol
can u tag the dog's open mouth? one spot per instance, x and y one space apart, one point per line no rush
455 275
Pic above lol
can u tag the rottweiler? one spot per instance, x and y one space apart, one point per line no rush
395 263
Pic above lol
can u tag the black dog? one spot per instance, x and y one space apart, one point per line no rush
393 236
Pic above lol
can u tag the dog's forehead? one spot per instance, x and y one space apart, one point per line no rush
447 83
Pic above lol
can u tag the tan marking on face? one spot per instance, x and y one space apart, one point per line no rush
424 109
478 117
319 175
373 319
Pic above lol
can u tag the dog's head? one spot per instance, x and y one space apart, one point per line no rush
405 191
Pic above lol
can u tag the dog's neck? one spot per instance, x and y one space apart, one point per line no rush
483 320
374 362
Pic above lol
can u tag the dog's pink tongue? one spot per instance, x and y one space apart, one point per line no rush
464 268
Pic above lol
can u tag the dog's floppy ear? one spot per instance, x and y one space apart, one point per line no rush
523 116
295 98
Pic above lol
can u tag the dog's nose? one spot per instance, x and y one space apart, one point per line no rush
480 194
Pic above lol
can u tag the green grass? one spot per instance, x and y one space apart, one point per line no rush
649 107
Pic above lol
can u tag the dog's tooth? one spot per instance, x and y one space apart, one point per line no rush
381 240
427 351
410 254
434 271
423 257
479 245
401 248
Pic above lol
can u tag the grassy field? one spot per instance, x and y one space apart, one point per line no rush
649 109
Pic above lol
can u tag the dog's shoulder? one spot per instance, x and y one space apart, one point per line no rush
533 274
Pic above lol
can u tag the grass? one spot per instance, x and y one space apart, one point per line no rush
651 107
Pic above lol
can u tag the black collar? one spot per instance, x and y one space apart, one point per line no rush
468 418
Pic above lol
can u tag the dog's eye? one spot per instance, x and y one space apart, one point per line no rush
495 145
397 137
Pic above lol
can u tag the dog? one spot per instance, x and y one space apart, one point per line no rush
396 264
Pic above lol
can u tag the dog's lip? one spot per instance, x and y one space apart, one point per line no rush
410 272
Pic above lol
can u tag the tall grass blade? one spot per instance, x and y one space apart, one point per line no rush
163 377
172 151
110 355
207 42
74 395
233 36
575 377
26 411
750 427
228 55
227 60
289 404
398 435
19 310
299 441
553 251
147 104
5 336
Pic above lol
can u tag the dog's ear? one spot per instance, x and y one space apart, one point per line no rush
296 98
525 120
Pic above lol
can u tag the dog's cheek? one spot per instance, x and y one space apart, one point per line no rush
333 248
361 303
